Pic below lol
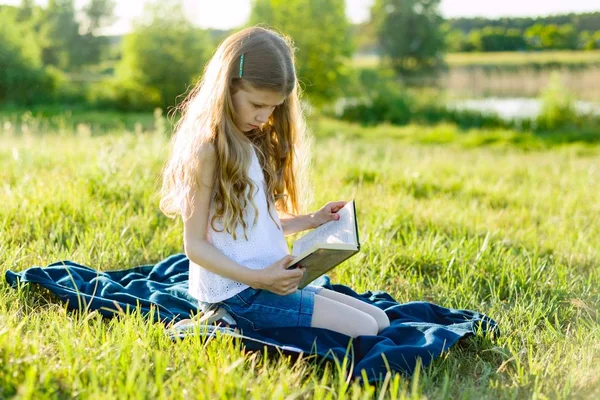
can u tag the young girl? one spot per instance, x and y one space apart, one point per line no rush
234 174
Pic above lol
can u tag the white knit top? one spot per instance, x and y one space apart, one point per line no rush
265 245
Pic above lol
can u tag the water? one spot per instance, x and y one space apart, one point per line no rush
517 107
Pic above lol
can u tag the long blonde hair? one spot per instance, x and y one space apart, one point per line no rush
208 118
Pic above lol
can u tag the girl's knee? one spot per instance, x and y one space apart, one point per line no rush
382 319
379 315
373 327
367 326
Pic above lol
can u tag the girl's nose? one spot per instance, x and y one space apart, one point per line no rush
262 117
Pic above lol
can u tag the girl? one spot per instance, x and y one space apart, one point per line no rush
235 175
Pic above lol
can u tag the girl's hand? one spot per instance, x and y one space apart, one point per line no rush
278 279
328 213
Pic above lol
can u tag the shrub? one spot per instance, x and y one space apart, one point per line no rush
383 99
379 99
558 107
123 96
22 77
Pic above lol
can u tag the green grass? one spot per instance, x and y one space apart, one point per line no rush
583 142
510 58
67 118
488 224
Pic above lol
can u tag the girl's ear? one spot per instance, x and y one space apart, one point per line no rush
239 84
234 85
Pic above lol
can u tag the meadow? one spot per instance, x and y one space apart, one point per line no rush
496 221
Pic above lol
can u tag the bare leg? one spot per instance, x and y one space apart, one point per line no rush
342 318
382 319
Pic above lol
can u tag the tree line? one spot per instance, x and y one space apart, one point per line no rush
57 53
580 22
536 37
557 32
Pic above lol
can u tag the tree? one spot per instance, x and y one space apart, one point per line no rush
98 14
551 37
30 17
455 39
22 77
364 37
409 34
59 31
589 40
493 38
89 45
321 34
164 53
26 10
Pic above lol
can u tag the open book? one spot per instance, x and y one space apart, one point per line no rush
327 246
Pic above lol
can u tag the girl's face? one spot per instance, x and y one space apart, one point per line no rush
253 107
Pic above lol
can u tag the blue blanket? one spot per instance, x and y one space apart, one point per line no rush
418 329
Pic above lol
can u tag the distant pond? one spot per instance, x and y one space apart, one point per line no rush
515 108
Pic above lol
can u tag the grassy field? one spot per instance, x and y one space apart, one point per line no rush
497 222
512 58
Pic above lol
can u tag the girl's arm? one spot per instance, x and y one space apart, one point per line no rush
197 248
296 223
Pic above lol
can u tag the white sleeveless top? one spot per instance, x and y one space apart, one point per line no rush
265 245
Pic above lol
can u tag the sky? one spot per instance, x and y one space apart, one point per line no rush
226 14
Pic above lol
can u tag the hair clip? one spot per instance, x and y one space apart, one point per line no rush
241 64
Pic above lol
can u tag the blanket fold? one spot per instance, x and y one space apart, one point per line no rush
418 329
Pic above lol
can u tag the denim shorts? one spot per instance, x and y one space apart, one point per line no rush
260 309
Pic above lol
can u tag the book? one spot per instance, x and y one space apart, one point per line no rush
327 246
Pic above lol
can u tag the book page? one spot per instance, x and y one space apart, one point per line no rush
340 231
